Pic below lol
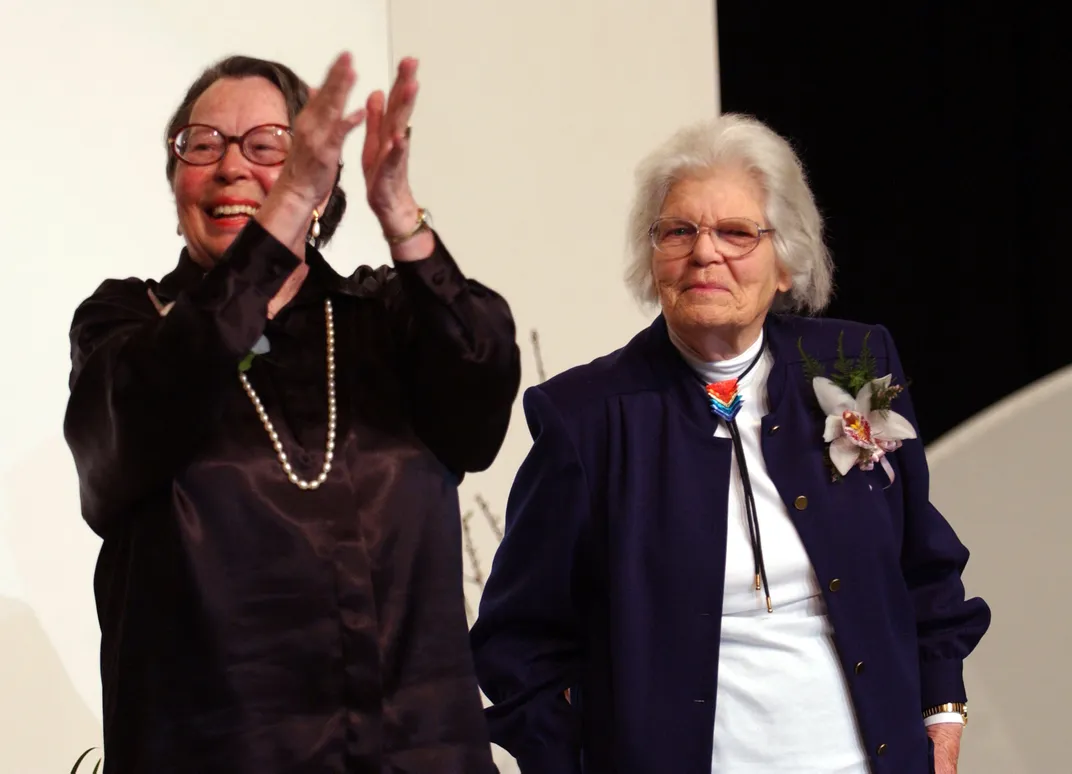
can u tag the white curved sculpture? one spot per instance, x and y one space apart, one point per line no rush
1001 479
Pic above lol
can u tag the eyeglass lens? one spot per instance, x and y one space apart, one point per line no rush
677 237
201 145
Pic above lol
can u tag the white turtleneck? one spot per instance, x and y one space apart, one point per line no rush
782 703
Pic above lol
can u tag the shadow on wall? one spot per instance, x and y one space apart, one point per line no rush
1001 480
55 554
44 723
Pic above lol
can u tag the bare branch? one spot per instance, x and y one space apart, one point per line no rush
540 372
470 549
492 519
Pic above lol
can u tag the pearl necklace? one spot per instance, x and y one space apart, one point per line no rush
329 450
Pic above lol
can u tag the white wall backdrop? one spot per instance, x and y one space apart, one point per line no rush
88 89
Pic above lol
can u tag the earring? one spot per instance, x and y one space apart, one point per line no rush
178 230
314 230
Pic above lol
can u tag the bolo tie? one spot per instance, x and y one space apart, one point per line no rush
726 403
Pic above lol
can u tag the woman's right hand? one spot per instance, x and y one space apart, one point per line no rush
308 176
320 130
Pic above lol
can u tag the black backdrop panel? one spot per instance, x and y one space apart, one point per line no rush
935 144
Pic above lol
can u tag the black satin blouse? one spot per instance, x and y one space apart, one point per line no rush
248 625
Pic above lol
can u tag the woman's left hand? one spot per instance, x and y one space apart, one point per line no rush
385 158
946 738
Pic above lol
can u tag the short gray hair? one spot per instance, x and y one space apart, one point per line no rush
741 141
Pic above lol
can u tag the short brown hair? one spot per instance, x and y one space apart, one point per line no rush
295 94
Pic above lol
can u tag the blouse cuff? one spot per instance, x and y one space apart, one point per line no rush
437 274
944 717
255 259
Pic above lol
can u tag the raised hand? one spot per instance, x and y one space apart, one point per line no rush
385 157
320 130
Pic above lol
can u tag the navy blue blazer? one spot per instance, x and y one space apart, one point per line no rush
609 579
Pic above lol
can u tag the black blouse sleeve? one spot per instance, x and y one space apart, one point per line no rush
460 357
144 387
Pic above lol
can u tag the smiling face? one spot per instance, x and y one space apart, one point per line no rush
716 305
215 202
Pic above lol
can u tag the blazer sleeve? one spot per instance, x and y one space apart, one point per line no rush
949 626
526 640
145 388
460 357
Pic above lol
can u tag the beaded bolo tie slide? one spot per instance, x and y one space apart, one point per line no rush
724 398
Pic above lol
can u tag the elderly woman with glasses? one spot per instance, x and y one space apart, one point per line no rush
720 555
270 452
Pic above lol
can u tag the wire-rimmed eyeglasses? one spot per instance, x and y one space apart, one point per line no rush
734 237
200 144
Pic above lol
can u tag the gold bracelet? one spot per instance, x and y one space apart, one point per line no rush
959 707
424 221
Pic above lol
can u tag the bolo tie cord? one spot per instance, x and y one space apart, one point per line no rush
752 514
725 403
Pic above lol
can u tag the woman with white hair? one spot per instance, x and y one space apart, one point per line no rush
720 554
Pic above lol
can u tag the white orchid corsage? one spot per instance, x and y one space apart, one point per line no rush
261 347
860 428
